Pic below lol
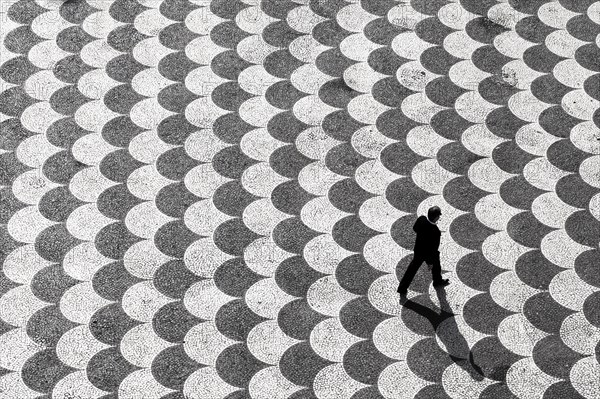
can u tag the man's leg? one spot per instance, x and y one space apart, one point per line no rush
410 273
436 269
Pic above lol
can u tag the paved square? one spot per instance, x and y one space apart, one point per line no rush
215 199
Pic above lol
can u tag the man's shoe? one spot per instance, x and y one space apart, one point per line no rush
442 283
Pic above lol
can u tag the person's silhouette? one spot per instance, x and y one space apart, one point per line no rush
426 249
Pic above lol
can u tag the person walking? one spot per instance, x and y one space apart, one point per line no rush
425 250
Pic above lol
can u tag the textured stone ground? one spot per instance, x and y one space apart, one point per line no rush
215 199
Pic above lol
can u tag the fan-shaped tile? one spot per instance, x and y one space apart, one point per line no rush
206 383
76 383
141 345
270 383
398 379
77 346
578 334
331 341
80 302
569 290
142 300
17 347
327 297
374 177
196 302
560 249
518 335
583 376
21 264
333 382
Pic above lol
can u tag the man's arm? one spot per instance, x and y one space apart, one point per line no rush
417 225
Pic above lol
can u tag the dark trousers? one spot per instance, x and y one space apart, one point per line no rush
418 259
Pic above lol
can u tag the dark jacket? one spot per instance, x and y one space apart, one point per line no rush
428 238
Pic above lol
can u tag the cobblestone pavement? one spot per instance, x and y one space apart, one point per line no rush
215 199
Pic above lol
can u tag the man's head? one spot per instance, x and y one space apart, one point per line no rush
434 213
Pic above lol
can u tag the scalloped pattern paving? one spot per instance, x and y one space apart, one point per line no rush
214 199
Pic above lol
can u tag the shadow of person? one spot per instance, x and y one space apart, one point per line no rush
448 333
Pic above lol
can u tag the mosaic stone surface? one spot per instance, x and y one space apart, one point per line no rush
214 199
